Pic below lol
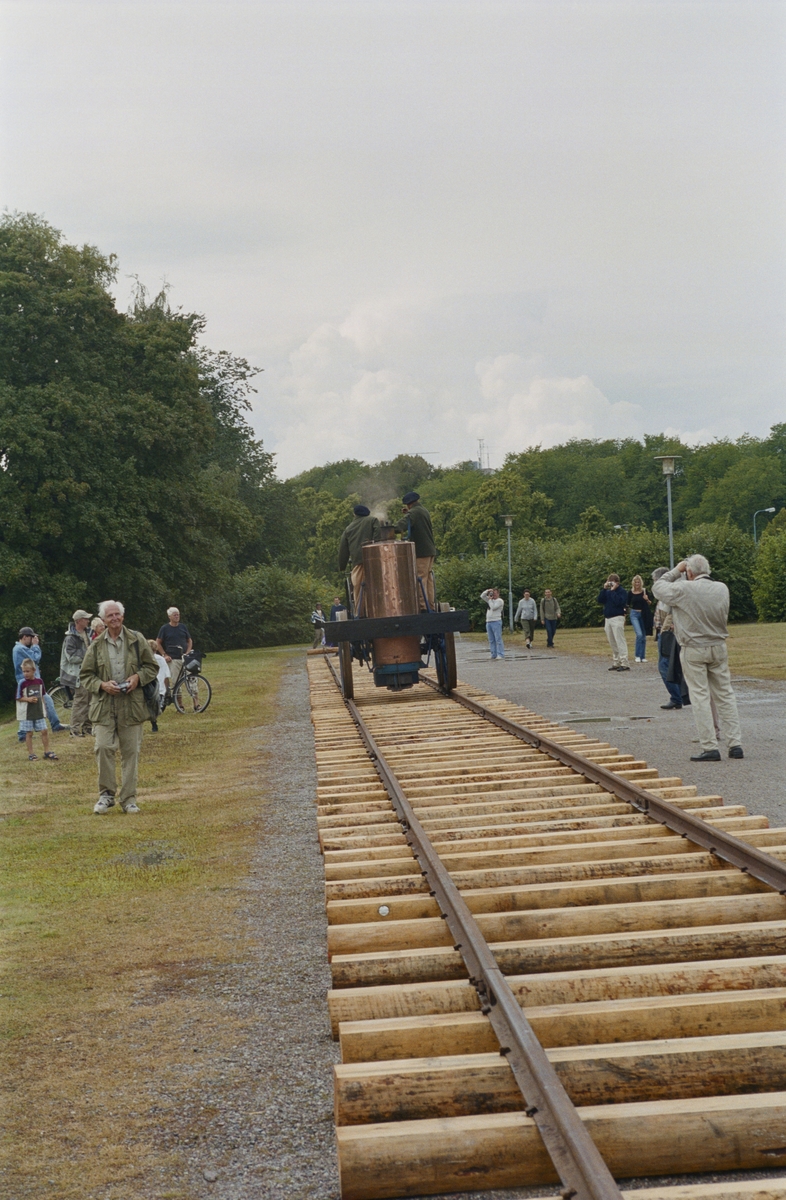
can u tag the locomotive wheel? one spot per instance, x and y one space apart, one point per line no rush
447 673
345 663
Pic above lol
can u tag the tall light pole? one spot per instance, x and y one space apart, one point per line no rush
668 461
755 515
508 524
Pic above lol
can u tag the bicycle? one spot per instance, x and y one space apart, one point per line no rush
62 697
192 692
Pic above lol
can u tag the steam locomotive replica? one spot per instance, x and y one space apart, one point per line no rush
396 637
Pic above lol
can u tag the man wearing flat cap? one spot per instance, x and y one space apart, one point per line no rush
362 530
415 526
75 647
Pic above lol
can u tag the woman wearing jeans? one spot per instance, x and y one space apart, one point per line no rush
640 616
494 621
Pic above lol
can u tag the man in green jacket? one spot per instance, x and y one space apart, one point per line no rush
115 669
358 533
415 525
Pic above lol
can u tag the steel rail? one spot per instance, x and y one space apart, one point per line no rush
575 1156
749 859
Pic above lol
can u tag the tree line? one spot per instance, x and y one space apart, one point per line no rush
128 469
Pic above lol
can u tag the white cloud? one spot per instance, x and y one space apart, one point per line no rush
368 388
526 407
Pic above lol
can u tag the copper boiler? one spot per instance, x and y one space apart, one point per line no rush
391 590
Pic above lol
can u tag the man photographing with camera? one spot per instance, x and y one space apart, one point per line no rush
115 669
700 609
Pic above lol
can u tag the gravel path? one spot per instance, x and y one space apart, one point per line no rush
274 1138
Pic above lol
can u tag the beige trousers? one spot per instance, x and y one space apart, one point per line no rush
425 571
80 708
706 671
358 577
615 632
128 740
175 668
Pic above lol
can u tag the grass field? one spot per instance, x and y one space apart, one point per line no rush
105 918
756 651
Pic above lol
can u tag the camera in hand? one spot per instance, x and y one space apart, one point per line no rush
124 686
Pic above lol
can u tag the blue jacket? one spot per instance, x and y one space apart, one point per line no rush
615 602
19 653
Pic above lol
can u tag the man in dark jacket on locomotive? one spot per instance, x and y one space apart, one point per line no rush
358 533
415 525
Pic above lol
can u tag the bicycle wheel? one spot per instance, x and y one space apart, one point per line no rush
63 699
192 693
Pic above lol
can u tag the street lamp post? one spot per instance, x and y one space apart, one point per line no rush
668 461
755 515
508 524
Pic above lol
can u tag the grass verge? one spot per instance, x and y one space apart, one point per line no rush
757 651
116 929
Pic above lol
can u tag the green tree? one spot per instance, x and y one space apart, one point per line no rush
769 579
117 478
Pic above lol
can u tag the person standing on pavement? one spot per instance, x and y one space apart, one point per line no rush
415 526
640 617
29 646
75 646
527 614
494 613
615 604
115 669
550 613
362 530
174 642
700 609
663 628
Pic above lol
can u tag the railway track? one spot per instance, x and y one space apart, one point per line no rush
549 963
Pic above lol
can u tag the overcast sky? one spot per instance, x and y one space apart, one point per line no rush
431 222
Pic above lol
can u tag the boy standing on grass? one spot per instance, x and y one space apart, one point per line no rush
31 691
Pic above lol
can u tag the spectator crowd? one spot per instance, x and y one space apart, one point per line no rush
112 679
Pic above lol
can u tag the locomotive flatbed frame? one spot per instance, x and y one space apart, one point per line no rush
365 629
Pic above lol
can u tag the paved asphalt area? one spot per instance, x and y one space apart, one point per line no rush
623 708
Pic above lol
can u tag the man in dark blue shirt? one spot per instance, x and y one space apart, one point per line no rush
615 605
174 641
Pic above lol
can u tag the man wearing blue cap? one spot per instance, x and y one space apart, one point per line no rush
416 526
358 533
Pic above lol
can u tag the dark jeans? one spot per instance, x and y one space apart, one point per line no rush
672 688
551 629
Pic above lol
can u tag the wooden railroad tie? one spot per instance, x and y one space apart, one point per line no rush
652 971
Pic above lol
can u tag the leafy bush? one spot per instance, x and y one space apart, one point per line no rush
769 588
263 606
576 565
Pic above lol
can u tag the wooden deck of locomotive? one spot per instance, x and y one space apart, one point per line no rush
653 974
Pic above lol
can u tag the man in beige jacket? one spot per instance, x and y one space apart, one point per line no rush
700 609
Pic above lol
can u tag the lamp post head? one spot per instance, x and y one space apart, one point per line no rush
770 509
668 461
508 520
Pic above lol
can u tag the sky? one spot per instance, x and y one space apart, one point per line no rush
430 223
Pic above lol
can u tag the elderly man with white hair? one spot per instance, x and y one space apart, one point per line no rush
115 669
700 609
174 642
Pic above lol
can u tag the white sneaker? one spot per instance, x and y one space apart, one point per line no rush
131 808
104 802
639 660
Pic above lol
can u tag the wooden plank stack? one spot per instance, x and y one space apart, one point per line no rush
653 974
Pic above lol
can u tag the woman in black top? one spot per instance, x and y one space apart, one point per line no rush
640 616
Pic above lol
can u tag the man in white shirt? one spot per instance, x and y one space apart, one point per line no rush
496 607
